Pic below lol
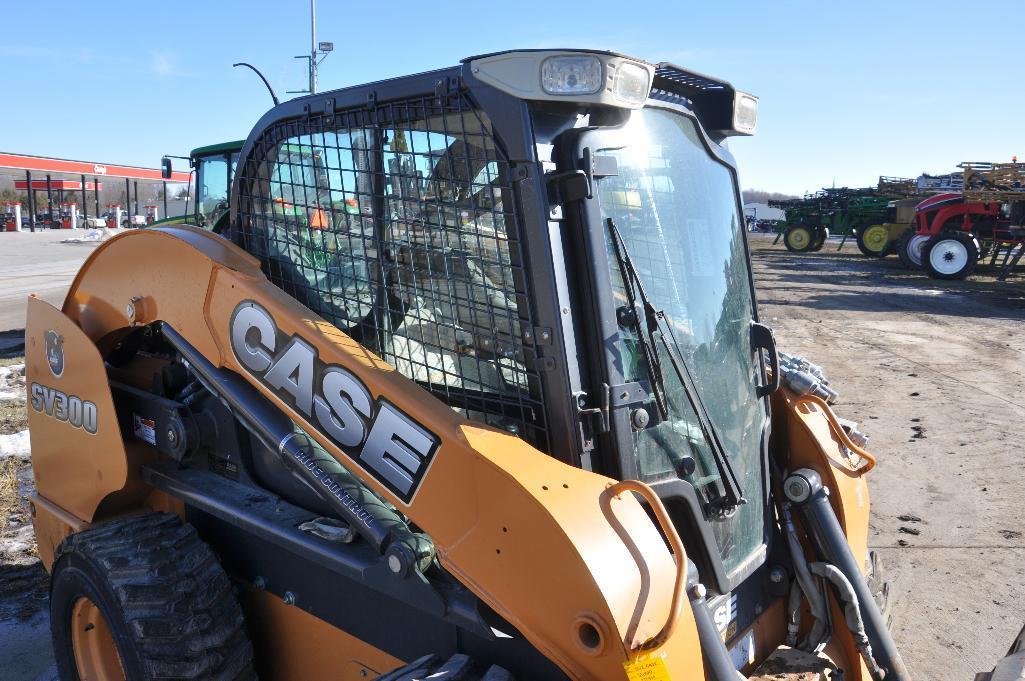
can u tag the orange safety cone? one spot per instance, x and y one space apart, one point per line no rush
319 220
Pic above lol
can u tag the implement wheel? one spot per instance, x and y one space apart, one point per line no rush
874 240
143 599
821 234
909 249
950 256
799 238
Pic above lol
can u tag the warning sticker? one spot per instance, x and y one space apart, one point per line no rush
647 668
145 429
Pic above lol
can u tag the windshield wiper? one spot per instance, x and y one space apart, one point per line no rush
658 325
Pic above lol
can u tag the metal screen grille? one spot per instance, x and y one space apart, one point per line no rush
397 224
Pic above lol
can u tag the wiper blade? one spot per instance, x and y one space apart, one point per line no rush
657 324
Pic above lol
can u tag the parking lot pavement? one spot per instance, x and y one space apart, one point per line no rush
37 262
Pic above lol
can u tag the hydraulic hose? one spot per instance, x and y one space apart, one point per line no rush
852 613
368 515
816 603
805 491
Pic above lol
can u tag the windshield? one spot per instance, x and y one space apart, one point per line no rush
676 208
212 180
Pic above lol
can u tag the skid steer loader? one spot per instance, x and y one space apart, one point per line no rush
470 385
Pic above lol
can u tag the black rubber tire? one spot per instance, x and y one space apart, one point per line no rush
821 234
171 609
791 230
875 577
966 240
126 224
456 668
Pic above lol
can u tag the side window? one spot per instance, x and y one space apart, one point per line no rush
403 235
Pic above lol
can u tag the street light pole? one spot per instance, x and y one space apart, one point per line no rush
313 47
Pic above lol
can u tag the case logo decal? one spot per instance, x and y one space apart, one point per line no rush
385 441
54 352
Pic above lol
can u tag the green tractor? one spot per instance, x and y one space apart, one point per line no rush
866 213
214 167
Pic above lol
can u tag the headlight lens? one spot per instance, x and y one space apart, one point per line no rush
745 113
571 75
631 83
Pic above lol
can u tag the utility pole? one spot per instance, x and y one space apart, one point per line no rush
313 47
317 50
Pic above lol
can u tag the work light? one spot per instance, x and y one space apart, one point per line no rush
571 75
745 113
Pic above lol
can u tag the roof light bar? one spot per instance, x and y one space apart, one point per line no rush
567 75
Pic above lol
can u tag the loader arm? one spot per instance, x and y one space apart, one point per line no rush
549 547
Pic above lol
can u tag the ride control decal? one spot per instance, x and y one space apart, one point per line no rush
385 441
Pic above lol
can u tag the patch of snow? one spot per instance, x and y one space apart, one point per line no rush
18 543
12 382
15 445
94 235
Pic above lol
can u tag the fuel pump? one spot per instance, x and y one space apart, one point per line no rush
68 216
114 215
152 213
12 217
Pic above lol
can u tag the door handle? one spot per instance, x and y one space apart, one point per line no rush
762 338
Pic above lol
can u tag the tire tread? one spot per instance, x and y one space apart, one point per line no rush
177 601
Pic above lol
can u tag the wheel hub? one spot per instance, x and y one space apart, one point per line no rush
876 238
949 257
915 248
800 237
95 651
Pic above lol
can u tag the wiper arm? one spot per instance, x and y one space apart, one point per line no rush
657 323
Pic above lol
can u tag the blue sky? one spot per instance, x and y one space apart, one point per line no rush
849 91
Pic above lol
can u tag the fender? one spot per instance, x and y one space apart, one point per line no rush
546 545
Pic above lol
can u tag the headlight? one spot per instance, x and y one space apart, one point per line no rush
571 75
745 113
567 76
631 83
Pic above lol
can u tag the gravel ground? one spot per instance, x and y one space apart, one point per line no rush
931 369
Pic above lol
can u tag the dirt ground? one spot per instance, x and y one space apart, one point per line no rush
932 370
934 373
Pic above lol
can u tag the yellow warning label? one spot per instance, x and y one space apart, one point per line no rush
647 668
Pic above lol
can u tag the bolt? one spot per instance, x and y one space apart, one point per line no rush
394 564
545 335
639 418
289 598
171 437
777 575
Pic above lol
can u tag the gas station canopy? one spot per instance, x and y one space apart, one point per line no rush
59 165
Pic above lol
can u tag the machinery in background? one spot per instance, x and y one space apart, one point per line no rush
857 212
954 232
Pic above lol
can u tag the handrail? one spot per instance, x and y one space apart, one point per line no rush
677 546
870 461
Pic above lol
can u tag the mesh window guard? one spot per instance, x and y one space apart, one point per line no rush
397 224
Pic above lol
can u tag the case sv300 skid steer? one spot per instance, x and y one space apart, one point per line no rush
470 385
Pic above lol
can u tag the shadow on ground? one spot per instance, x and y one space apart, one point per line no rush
825 278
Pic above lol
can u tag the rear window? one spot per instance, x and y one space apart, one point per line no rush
397 225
